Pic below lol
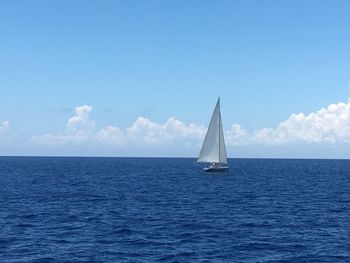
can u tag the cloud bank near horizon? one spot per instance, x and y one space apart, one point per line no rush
80 129
329 125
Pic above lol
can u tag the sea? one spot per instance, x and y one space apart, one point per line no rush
72 209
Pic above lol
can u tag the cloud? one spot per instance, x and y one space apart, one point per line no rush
236 135
4 126
80 122
146 131
110 135
80 129
327 125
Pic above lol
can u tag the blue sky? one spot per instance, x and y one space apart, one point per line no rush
163 59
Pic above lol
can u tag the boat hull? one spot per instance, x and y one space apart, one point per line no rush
215 169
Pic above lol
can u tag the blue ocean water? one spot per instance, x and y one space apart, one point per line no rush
168 210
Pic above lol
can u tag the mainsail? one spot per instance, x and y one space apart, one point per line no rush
213 149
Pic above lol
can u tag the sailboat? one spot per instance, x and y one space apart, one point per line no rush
213 150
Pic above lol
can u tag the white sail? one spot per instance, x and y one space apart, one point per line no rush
213 149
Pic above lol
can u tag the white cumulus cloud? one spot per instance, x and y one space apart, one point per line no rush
110 135
148 132
80 129
80 123
327 125
236 135
4 126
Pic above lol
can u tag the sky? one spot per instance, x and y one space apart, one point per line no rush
141 78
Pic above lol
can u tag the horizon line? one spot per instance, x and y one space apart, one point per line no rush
166 157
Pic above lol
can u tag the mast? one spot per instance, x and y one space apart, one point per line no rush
219 130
